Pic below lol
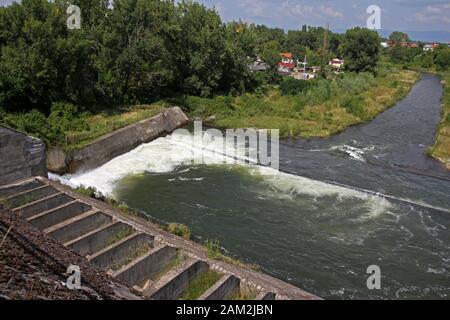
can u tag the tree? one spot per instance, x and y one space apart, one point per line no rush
361 49
399 37
442 59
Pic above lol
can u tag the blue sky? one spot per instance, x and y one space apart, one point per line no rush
405 15
415 15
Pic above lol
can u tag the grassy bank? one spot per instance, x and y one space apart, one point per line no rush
441 147
322 109
69 128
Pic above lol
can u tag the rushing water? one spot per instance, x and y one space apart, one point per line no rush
367 196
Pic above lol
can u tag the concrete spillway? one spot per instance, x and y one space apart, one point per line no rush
153 262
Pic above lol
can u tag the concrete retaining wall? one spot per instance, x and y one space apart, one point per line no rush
116 143
21 156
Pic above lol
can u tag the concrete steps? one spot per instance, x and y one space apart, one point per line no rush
123 251
147 268
222 289
139 259
78 225
172 284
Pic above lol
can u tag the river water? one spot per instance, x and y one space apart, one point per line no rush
367 196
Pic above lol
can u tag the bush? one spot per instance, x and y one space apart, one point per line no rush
64 117
442 59
355 106
179 230
291 86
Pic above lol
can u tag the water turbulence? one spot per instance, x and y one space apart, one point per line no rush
306 225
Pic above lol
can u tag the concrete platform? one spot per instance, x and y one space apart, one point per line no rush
98 239
146 267
121 252
78 226
222 289
171 285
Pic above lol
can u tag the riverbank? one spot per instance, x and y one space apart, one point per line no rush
441 147
325 108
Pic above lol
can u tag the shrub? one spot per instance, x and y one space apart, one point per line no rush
355 106
291 86
179 230
213 249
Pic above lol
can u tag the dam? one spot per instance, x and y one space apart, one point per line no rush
151 262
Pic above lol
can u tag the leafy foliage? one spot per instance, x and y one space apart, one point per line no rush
360 49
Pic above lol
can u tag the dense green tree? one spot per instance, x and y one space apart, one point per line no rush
399 37
442 59
360 49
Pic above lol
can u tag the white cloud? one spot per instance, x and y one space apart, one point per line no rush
303 10
257 8
437 13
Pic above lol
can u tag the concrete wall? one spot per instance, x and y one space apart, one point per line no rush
116 143
21 156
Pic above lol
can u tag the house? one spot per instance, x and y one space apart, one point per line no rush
337 64
304 75
315 69
429 47
414 45
287 65
385 45
286 57
259 65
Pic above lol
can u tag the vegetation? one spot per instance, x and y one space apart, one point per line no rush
24 200
213 249
239 294
321 108
200 284
68 87
120 235
86 191
135 252
441 147
179 230
4 203
214 253
360 49
436 61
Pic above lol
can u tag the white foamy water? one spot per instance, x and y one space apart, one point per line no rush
165 154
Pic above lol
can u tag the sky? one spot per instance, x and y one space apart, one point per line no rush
403 15
416 15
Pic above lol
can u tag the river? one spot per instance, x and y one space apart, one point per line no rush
367 196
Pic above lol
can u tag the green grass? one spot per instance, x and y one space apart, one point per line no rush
213 249
135 252
122 234
107 121
69 128
213 252
324 108
85 191
238 294
24 200
179 230
4 203
200 284
441 146
177 261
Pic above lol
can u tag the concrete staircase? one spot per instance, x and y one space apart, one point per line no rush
151 261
